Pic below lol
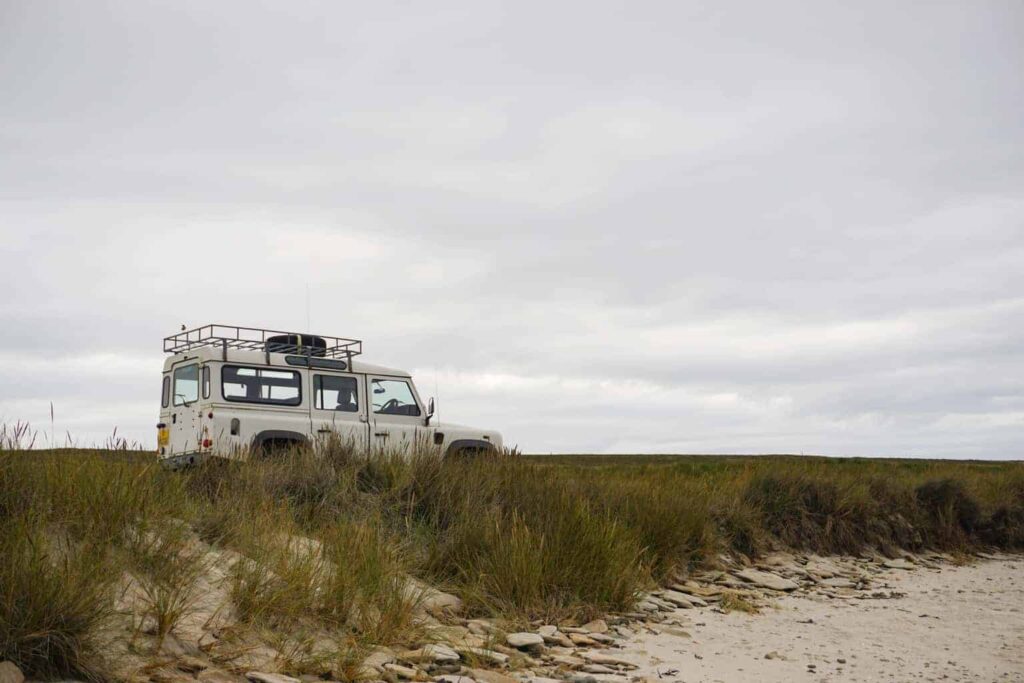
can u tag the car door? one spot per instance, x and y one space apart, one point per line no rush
395 412
339 407
185 427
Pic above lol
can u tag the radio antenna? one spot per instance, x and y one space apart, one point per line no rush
308 329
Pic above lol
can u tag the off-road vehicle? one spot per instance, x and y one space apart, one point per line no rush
229 390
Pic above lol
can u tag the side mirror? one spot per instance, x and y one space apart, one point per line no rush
430 411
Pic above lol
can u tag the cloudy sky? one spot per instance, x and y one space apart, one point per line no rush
599 227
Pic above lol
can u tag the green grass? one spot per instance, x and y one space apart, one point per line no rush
327 541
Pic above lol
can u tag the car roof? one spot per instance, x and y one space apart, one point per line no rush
276 360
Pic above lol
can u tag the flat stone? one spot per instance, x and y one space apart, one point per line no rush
525 640
607 660
694 588
481 627
10 673
434 652
484 654
767 580
598 669
377 659
899 563
263 677
401 671
595 626
568 661
448 678
488 676
581 639
676 598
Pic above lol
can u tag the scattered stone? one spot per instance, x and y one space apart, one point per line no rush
899 563
838 582
695 589
603 638
581 678
484 654
525 640
481 627
439 652
595 626
607 660
676 598
581 639
376 660
772 655
840 661
262 677
10 673
568 661
598 669
401 671
767 580
488 676
454 679
432 600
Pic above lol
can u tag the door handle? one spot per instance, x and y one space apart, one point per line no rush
384 434
323 431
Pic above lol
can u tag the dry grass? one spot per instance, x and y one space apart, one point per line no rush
328 539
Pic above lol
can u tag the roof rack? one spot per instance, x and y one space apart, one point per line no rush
258 339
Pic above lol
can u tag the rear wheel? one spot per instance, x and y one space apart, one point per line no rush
276 448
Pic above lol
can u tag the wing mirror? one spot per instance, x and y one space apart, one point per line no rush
430 411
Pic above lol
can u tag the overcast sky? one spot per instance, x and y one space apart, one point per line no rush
634 227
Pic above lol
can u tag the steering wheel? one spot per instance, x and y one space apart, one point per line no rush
393 403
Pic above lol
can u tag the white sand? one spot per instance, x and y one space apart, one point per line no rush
954 624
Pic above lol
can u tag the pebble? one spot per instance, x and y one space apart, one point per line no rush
261 677
10 673
525 640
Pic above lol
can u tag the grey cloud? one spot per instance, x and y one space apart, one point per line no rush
600 226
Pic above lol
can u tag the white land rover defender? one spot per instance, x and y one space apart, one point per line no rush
229 389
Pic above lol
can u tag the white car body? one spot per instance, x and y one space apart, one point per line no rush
221 397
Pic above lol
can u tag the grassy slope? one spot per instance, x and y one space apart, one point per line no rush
558 537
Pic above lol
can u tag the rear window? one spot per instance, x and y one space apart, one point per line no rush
186 385
261 385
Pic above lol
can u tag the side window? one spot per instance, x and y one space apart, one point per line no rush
393 397
261 385
166 392
335 393
206 381
186 384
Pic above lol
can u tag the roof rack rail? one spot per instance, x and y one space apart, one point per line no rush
259 339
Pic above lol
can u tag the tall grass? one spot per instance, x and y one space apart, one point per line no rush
329 539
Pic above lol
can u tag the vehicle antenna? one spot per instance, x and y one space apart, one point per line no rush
308 330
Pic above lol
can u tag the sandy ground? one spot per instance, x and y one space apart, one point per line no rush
953 623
